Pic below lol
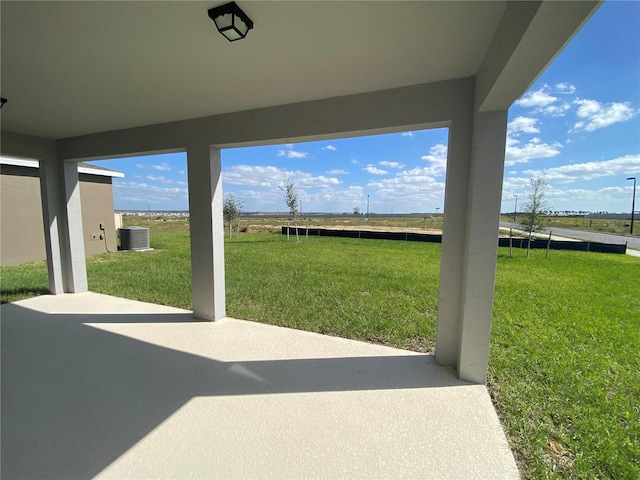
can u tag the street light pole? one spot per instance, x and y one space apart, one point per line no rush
367 207
515 210
633 202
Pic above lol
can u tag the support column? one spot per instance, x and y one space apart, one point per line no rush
62 217
483 225
453 242
50 193
207 232
470 237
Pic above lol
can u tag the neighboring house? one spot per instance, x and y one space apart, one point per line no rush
21 232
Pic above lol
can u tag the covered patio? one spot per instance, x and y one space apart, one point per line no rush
101 80
97 386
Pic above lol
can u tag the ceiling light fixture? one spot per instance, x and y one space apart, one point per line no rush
231 21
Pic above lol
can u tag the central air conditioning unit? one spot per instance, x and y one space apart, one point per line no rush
134 238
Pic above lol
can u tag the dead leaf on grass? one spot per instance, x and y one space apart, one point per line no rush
557 448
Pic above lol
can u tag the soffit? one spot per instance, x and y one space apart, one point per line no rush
74 68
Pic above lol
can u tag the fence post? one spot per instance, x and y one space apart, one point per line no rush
548 245
511 242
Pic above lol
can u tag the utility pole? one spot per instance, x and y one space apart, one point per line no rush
515 211
633 202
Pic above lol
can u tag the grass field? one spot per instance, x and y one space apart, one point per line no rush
564 364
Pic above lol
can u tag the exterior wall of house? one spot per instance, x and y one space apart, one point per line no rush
97 208
21 233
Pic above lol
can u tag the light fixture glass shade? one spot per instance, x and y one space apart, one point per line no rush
241 27
223 21
231 21
231 34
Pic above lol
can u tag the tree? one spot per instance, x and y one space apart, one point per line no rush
356 210
231 209
288 188
532 220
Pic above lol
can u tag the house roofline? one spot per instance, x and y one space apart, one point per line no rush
82 167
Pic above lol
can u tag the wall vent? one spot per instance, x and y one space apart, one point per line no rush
134 238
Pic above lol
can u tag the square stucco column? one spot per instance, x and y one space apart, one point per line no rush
470 250
207 232
62 218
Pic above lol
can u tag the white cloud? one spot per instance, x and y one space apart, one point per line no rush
374 171
254 175
536 99
531 150
438 159
337 171
271 177
515 186
407 134
541 100
165 167
413 190
615 198
332 199
292 154
289 152
145 194
306 180
595 115
565 88
354 161
329 147
181 172
416 189
384 163
556 110
522 125
159 179
627 165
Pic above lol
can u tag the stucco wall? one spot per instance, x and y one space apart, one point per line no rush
21 229
97 207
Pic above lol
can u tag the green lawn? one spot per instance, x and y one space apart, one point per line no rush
564 362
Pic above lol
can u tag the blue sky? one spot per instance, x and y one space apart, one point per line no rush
579 124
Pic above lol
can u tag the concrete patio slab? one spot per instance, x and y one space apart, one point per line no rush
97 386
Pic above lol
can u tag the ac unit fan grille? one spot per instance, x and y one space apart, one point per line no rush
134 238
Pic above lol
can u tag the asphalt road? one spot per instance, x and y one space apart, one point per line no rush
610 238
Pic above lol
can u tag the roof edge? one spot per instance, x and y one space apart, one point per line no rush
82 167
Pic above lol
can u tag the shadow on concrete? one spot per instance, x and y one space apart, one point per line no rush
75 398
26 292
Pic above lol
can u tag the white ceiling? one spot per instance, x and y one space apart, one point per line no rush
73 68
